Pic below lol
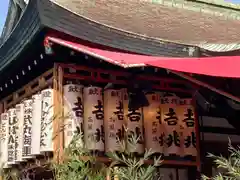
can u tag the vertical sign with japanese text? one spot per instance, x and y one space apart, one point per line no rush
134 121
171 126
153 124
36 124
187 119
113 119
93 118
27 128
12 136
4 139
20 118
47 118
73 111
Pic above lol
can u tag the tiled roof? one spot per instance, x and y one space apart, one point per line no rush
175 20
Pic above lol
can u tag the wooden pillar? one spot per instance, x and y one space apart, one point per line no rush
198 158
58 110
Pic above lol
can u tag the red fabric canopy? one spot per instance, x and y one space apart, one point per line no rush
225 66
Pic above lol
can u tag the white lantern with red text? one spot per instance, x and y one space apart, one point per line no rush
73 111
46 139
93 118
134 123
36 123
171 126
113 119
154 133
27 129
20 118
4 139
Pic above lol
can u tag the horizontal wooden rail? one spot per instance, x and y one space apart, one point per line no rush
164 162
83 73
29 89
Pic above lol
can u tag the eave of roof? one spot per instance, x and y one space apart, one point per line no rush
178 21
21 36
43 13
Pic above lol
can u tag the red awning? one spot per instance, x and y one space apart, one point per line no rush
225 66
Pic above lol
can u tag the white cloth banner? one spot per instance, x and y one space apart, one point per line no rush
27 128
187 119
46 139
12 122
4 139
36 123
171 126
93 118
73 111
134 121
154 133
113 119
20 118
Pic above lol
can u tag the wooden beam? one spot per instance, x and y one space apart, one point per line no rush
208 86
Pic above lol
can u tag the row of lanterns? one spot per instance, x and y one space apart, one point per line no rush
26 129
167 125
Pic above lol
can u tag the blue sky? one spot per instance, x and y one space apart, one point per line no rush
3 12
4 8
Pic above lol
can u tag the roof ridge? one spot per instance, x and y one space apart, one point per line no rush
222 4
212 7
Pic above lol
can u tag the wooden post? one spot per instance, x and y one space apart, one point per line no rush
58 123
198 158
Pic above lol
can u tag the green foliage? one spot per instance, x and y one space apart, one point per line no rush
13 174
230 165
78 163
74 167
127 166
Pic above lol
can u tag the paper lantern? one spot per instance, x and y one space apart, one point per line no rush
73 111
171 126
12 122
36 123
152 124
27 128
46 139
134 123
187 119
4 139
113 119
93 118
20 118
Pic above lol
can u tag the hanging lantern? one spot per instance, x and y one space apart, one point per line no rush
134 123
4 139
36 123
187 120
93 118
152 124
46 142
171 126
113 119
12 122
73 111
20 118
27 128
